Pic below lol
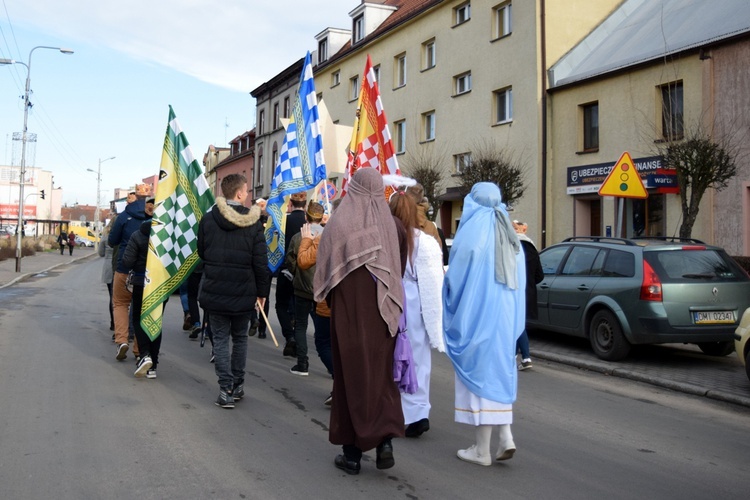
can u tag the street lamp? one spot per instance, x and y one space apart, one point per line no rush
98 192
19 228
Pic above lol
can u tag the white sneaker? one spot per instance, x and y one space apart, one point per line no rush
470 455
507 447
151 373
144 366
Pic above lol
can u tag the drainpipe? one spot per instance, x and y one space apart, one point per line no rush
543 41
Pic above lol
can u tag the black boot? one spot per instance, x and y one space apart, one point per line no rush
290 349
384 455
416 429
349 462
348 466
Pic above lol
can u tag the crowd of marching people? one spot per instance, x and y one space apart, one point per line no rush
369 274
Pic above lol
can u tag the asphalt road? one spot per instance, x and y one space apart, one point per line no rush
75 424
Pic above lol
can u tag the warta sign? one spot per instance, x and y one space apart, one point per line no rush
589 178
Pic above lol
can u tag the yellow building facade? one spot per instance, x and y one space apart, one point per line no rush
455 76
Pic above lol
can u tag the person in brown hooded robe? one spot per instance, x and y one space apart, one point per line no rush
361 259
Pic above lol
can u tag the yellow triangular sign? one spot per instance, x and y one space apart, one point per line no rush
623 180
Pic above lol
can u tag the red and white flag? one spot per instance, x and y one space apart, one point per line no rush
371 144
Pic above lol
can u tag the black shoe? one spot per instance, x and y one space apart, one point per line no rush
290 349
347 466
261 335
416 429
253 329
195 332
225 400
238 392
187 323
384 455
329 400
300 369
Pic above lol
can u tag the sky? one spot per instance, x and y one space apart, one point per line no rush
132 60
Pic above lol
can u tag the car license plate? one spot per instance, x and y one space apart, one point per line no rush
713 317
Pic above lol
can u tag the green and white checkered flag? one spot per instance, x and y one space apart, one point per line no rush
182 197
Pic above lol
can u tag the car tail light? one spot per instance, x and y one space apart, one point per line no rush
651 285
693 247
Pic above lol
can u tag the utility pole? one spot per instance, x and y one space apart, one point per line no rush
98 193
22 180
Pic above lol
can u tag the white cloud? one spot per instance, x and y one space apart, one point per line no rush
236 44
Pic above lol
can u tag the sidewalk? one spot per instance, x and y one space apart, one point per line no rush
39 263
676 367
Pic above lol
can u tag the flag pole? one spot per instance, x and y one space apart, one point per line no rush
268 323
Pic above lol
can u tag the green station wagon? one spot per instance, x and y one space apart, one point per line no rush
619 292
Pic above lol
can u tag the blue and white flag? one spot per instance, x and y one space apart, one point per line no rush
301 164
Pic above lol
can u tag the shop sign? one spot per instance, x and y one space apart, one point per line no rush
589 178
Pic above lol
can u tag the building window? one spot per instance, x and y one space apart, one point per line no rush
322 50
259 177
335 78
276 122
399 70
502 20
353 88
262 122
462 83
428 126
461 162
376 70
275 155
286 107
503 105
462 13
590 126
428 54
400 137
672 111
358 31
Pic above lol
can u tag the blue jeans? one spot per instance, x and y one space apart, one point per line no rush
230 368
323 341
184 297
522 344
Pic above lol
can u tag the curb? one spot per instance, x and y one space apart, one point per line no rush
599 367
25 276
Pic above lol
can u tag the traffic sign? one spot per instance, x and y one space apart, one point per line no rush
623 180
330 187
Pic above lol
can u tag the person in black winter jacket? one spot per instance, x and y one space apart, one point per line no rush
235 260
134 259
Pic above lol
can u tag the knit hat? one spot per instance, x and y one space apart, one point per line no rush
315 210
301 196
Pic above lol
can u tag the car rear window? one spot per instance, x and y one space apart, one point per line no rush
689 266
619 265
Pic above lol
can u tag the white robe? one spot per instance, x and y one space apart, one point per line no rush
476 410
423 320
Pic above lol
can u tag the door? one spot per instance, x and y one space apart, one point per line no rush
572 288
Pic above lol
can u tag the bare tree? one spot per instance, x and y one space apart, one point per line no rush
490 163
700 163
426 167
